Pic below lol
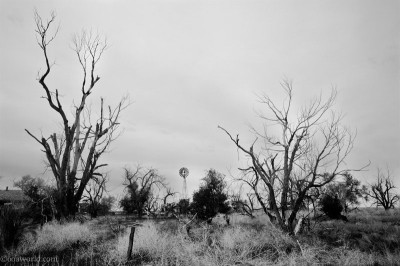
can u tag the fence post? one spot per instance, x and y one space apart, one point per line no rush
188 230
131 236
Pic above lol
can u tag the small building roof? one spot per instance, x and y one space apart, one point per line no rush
12 196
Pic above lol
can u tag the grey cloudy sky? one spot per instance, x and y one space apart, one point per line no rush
190 66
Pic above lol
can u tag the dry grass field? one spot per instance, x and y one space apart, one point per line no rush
371 237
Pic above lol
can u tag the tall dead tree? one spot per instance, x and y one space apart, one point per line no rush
73 156
308 152
381 191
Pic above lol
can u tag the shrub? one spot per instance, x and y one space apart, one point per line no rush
210 198
39 207
184 206
10 226
332 207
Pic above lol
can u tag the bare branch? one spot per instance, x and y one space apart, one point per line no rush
382 190
309 152
77 150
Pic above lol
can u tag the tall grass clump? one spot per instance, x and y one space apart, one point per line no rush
248 243
56 237
149 245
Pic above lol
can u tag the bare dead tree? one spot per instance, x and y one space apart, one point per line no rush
155 202
73 156
168 193
94 193
381 191
143 186
152 206
312 146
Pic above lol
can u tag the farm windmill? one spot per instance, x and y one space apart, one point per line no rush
184 172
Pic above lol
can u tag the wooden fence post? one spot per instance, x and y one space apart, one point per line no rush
188 230
131 236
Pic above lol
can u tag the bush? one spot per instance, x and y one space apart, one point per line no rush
96 208
41 197
10 226
210 198
332 207
184 206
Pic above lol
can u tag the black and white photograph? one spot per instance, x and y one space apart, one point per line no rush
200 132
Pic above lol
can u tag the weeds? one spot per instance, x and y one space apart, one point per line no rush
55 237
208 246
246 241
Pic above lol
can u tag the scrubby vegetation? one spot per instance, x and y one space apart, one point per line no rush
10 226
246 241
332 207
210 199
56 237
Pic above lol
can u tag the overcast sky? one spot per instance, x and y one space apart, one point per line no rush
190 66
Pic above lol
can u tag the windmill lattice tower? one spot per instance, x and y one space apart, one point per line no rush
184 192
184 172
